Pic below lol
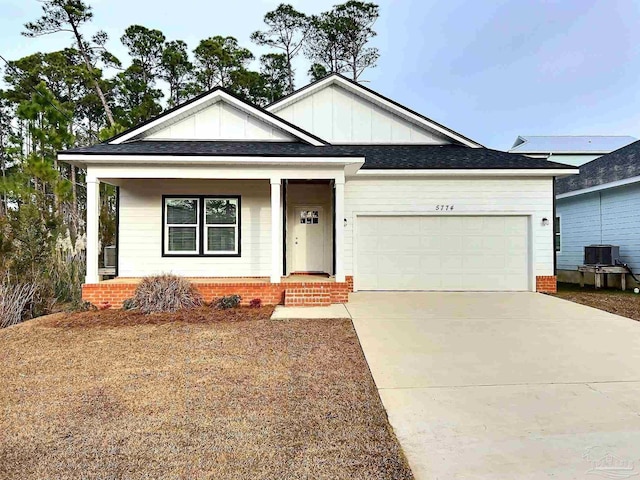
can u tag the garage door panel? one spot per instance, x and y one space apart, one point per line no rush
442 253
392 244
406 264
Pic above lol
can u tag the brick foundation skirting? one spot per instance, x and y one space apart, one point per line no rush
290 293
547 284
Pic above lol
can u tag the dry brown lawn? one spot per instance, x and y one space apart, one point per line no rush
626 304
117 395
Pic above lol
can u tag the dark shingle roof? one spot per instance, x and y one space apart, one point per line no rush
402 157
618 165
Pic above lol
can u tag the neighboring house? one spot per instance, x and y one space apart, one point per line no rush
332 179
600 206
570 150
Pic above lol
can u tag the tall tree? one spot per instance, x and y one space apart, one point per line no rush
145 48
323 46
216 59
249 85
355 20
317 71
136 100
176 70
137 97
338 39
275 74
287 30
70 16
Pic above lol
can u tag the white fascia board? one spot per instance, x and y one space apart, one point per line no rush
115 174
231 100
470 173
204 160
403 112
597 188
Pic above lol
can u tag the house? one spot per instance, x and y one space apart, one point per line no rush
330 189
571 150
601 205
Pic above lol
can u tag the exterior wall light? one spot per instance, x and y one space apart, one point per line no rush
545 221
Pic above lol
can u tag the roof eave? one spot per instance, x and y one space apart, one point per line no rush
480 172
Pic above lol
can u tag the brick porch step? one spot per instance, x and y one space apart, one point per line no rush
307 296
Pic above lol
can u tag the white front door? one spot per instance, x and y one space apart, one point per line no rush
308 239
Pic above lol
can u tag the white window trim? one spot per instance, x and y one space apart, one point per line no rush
167 226
206 226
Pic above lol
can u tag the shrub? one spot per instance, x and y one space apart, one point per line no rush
14 300
82 306
165 293
229 301
255 303
129 304
104 306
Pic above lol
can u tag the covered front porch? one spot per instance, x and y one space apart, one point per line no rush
283 241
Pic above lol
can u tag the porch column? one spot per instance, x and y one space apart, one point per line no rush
93 237
339 230
276 246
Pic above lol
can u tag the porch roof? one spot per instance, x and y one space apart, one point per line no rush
377 157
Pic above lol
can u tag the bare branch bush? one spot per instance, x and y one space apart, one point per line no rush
166 293
14 299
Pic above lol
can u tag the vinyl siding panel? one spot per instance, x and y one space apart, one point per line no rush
342 117
219 121
141 229
608 217
579 226
526 196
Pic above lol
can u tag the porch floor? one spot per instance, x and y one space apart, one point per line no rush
295 278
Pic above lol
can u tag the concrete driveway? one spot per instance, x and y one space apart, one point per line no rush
505 385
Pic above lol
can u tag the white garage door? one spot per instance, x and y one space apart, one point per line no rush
442 253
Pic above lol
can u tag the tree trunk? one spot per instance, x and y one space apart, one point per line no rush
289 71
87 63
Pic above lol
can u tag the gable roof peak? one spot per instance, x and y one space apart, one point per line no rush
210 97
375 98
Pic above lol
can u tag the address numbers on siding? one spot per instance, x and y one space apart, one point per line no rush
444 208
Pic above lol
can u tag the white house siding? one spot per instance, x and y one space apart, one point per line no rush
609 216
140 243
469 196
340 116
219 121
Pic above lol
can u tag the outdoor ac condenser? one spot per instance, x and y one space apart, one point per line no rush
601 255
109 256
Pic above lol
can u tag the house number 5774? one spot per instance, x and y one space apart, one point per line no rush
444 208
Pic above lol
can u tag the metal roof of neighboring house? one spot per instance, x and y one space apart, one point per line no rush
619 165
575 144
401 157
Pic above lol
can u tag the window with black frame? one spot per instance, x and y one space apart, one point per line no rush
201 226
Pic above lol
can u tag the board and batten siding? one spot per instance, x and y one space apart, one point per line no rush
140 243
609 216
340 116
219 121
469 196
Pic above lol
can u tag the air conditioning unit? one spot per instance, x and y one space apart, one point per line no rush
601 255
109 256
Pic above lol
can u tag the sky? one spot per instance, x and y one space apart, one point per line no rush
489 69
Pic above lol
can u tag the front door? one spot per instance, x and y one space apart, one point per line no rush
308 239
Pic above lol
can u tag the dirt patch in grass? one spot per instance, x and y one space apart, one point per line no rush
626 304
92 396
122 318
